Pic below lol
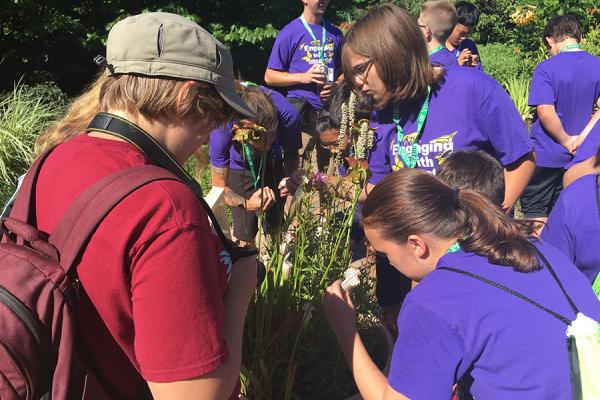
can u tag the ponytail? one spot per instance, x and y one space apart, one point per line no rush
415 202
492 234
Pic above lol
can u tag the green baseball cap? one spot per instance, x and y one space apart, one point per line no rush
169 45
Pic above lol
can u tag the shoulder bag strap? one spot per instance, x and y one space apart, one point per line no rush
556 315
83 216
560 285
119 127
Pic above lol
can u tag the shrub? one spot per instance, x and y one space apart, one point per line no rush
24 113
501 61
591 41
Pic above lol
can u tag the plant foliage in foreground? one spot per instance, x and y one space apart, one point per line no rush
289 351
24 113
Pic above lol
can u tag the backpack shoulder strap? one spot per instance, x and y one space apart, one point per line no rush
22 209
83 216
556 315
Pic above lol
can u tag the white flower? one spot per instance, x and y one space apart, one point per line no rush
351 278
286 266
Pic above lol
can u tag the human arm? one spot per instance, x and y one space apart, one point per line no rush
340 313
261 198
590 125
275 77
516 178
553 126
220 383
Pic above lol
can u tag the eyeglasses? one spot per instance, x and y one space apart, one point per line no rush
362 69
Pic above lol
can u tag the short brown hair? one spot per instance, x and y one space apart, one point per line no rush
399 52
412 201
440 17
563 27
262 106
474 170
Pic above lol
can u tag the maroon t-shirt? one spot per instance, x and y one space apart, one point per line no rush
152 274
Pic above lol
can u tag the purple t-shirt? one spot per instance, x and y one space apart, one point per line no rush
588 148
451 323
574 225
443 58
223 154
571 82
467 44
470 111
295 51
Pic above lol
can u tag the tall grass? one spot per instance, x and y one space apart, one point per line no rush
518 89
289 351
25 112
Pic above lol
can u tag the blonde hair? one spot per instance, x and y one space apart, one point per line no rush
440 17
151 97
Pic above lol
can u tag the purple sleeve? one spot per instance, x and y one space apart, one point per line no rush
281 54
588 148
556 231
504 126
426 355
541 90
290 123
220 146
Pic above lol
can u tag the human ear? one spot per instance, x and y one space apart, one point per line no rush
419 246
184 90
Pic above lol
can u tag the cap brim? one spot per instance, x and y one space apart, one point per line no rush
235 101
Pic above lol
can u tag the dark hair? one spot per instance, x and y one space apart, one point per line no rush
466 13
563 27
597 158
412 201
399 52
476 171
332 117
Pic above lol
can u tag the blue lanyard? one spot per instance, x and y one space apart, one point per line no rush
314 38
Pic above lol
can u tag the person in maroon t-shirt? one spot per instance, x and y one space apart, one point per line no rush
162 309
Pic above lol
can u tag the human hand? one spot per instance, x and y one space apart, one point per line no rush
474 60
465 57
339 309
289 185
313 75
325 92
569 143
263 197
576 143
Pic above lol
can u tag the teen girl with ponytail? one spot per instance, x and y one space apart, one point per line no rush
454 326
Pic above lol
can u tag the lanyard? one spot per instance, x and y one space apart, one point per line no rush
410 160
255 177
436 50
314 38
570 47
454 248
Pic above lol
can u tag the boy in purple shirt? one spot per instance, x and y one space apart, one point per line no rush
305 60
453 326
239 175
437 20
458 43
574 225
564 90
